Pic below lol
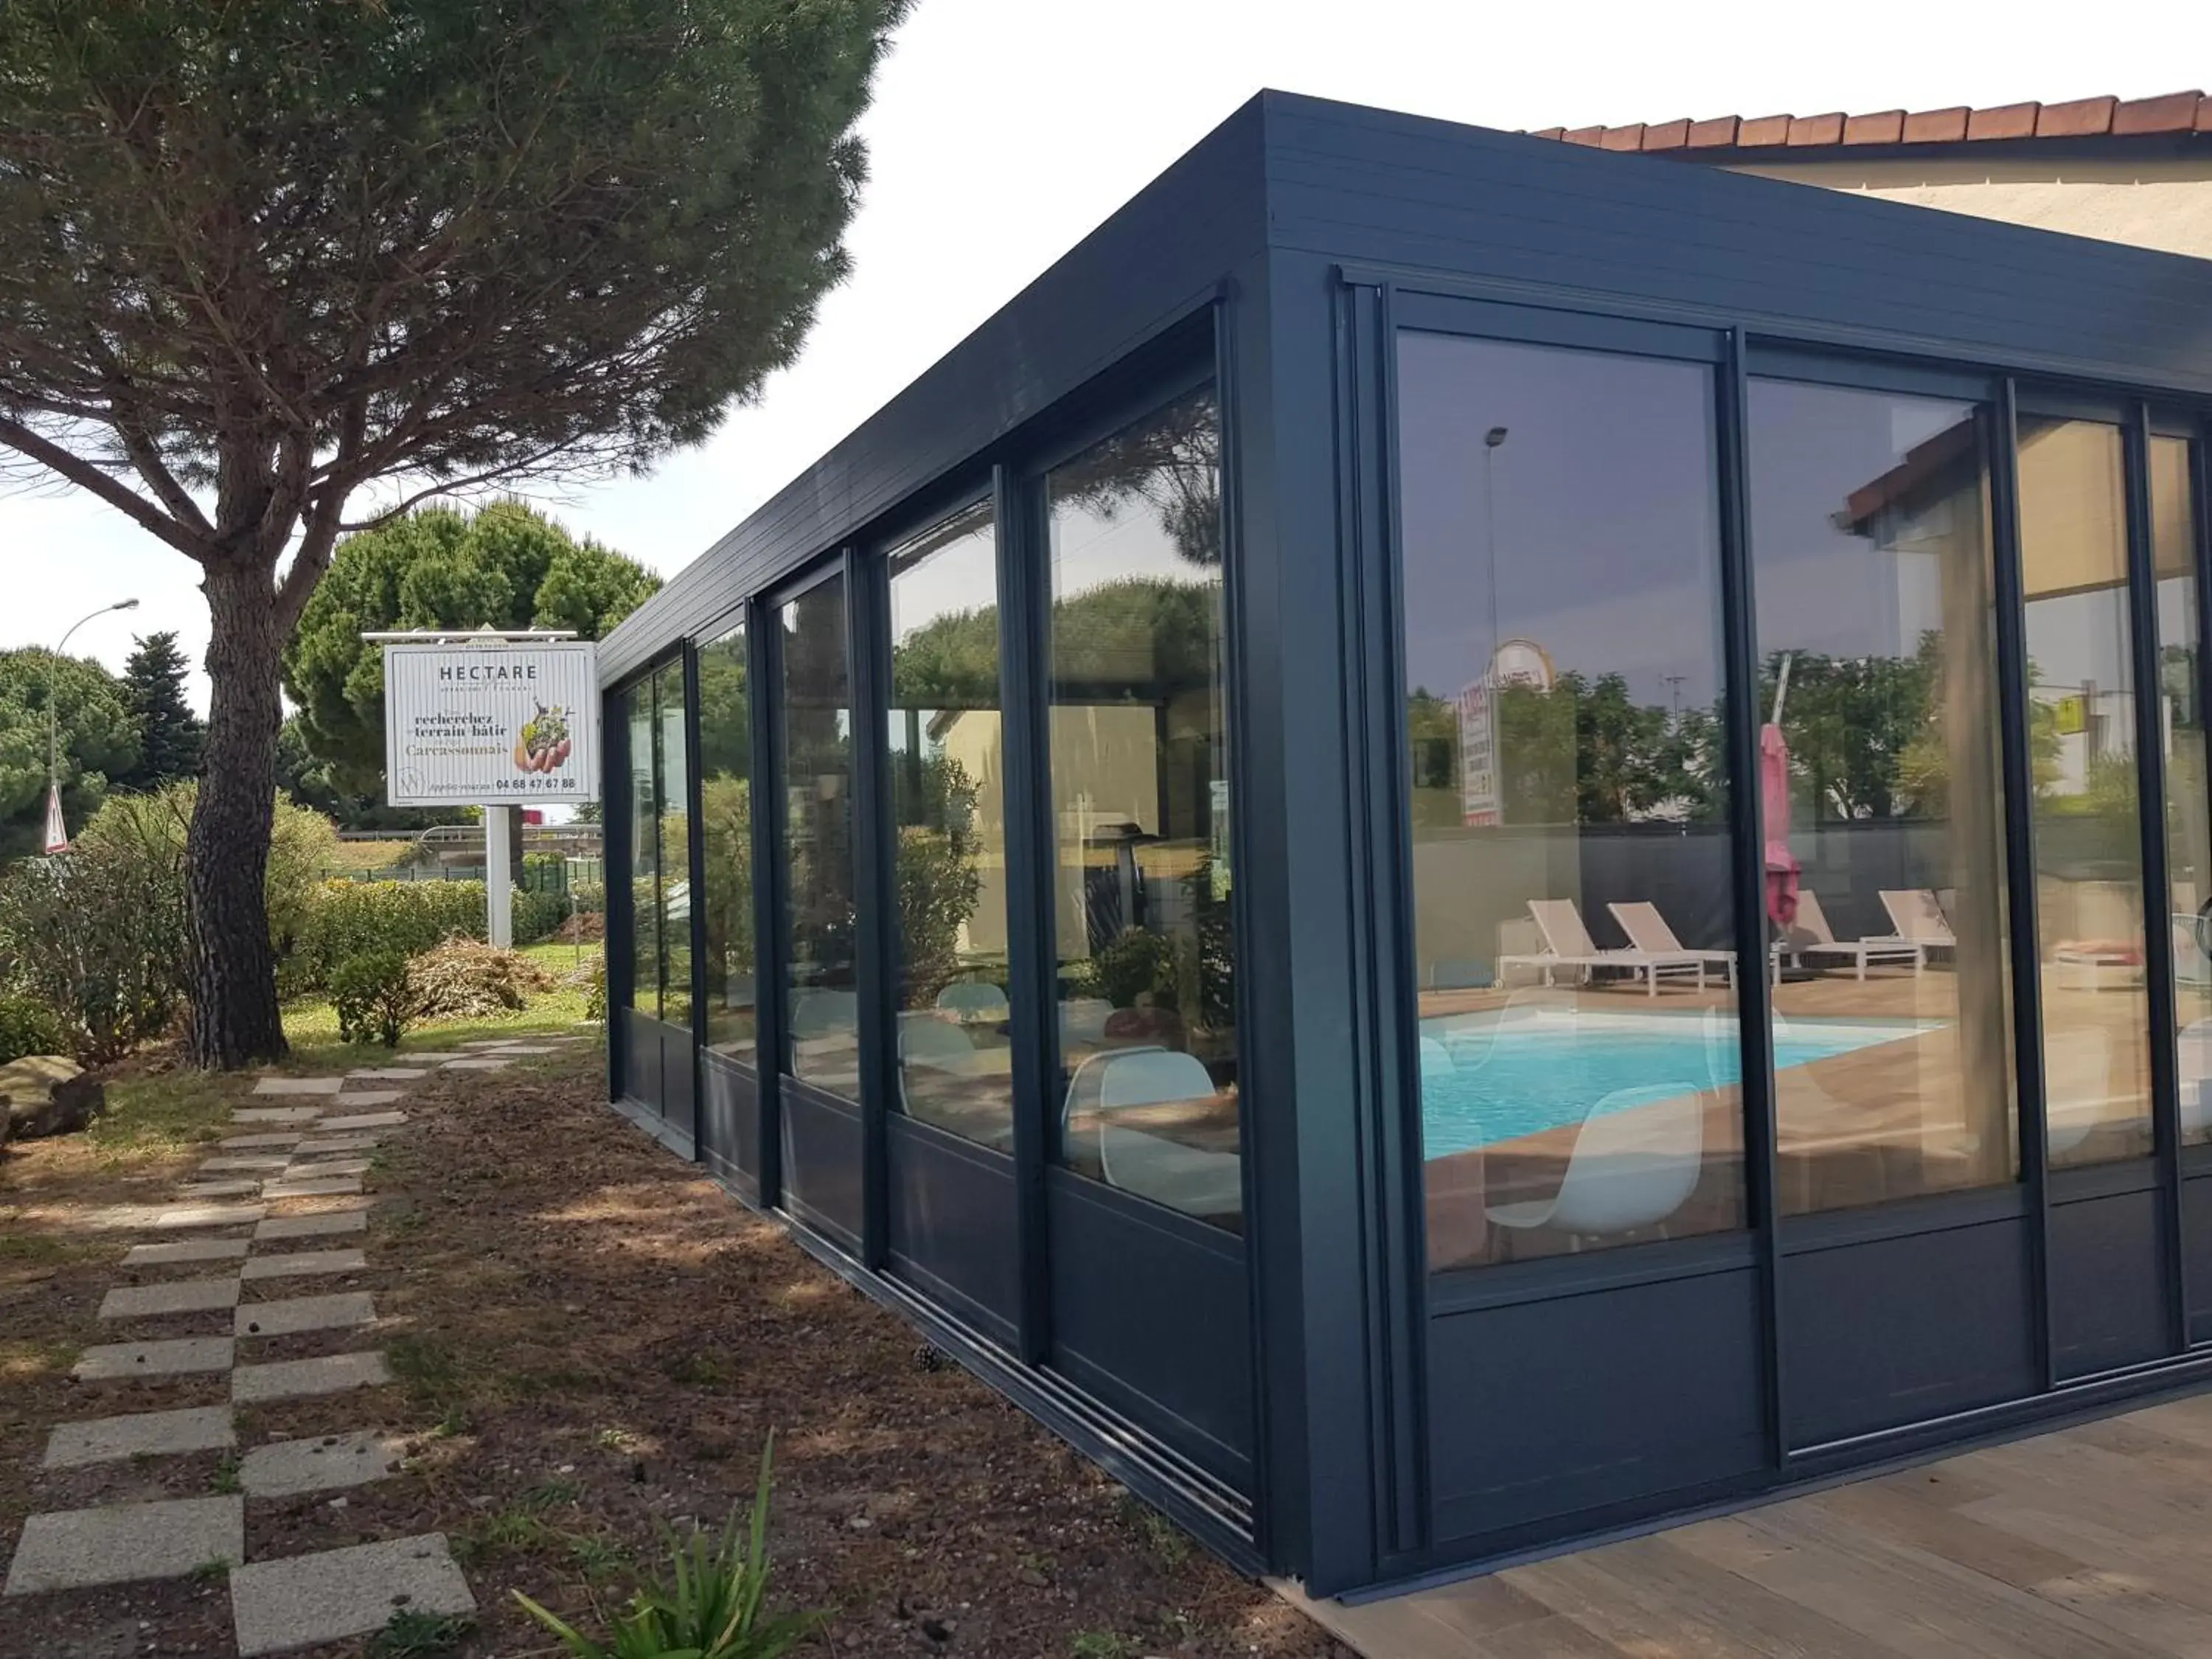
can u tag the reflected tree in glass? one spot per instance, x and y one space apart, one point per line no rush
725 834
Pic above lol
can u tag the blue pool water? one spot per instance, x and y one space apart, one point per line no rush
1541 1074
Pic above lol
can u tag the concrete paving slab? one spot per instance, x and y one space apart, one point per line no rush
313 1226
293 1379
177 1296
479 1063
427 1058
362 1120
107 1361
280 1141
276 1113
287 1468
234 1189
303 1600
288 1315
528 1049
179 1217
315 1169
185 1249
317 1145
242 1161
103 1439
303 1187
299 1086
305 1263
385 1073
487 1042
76 1549
369 1097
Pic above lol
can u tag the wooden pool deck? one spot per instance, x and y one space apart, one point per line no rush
2093 1541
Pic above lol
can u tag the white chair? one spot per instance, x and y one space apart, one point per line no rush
1567 944
973 999
1821 940
1186 1178
1636 1161
935 1045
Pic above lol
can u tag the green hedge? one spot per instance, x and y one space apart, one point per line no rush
350 919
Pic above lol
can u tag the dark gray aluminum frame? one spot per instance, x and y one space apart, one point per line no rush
1285 253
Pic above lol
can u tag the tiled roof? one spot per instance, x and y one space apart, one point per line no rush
2176 112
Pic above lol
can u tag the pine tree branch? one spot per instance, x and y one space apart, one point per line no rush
99 481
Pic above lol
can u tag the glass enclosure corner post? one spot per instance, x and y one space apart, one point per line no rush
1574 933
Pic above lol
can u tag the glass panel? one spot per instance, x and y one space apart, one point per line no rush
726 825
644 854
1141 806
2081 737
947 810
821 1001
1579 1059
2188 838
674 800
1881 787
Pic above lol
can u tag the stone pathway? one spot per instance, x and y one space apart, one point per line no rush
323 1152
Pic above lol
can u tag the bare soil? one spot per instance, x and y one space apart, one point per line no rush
593 1343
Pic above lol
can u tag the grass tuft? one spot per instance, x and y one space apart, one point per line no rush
410 1633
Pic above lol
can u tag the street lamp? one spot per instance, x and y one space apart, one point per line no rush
53 725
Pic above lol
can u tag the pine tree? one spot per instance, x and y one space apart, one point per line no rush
169 734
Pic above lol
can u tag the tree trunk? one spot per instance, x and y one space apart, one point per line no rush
234 1015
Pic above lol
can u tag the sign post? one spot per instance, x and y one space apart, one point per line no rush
494 719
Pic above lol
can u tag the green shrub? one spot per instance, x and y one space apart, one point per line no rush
467 979
538 914
28 1026
713 1604
375 997
595 999
349 918
96 938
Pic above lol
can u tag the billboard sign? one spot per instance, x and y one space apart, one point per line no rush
491 725
1480 805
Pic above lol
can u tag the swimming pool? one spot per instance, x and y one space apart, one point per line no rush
1534 1074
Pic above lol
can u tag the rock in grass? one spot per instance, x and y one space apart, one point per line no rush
48 1095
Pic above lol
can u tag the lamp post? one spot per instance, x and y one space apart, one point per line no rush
53 724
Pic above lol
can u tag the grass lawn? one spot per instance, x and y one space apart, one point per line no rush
311 1023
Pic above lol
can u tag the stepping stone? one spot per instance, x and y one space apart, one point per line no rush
276 1113
529 1048
207 1215
304 1600
428 1059
299 1086
321 1144
76 1549
480 1063
185 1249
293 1379
369 1098
218 1188
250 1143
313 1226
178 1296
296 1187
287 1468
317 1169
308 1261
109 1362
292 1314
252 1161
144 1434
363 1120
387 1073
486 1042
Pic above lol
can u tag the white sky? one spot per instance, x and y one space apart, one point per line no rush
1004 130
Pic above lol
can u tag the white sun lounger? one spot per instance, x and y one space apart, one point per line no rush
1918 916
1648 931
1567 944
1875 947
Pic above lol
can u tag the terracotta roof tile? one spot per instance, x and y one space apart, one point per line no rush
1886 128
2006 121
2085 118
2081 118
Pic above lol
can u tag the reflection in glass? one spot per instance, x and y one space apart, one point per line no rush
1140 794
644 854
2082 740
821 1001
2188 838
1578 1054
673 799
1876 637
949 820
726 828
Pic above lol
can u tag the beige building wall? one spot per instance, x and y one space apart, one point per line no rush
2162 202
